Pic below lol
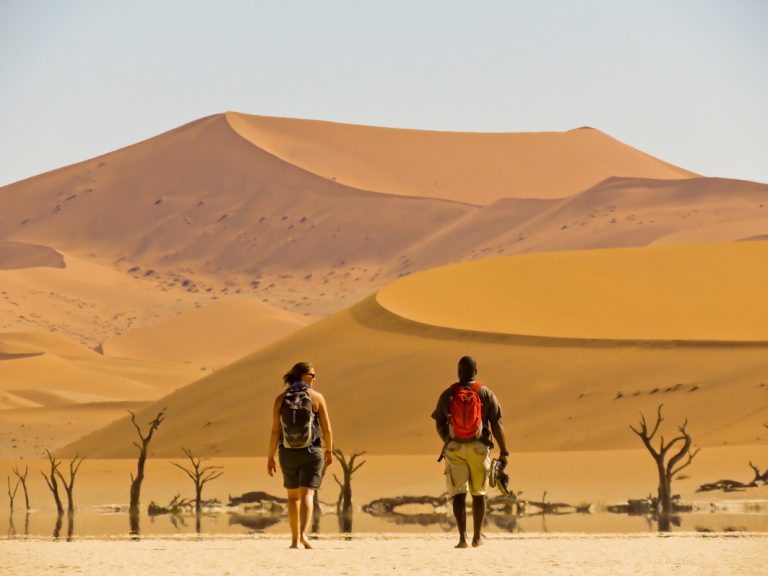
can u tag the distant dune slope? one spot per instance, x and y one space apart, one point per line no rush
637 212
684 292
212 335
16 255
617 212
201 196
87 302
381 373
50 370
473 167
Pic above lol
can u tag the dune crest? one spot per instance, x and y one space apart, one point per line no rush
18 255
472 167
635 294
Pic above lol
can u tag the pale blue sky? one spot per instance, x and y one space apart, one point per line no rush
684 80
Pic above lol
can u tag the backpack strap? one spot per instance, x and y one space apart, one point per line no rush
458 386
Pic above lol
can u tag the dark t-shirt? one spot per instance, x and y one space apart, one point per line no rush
491 411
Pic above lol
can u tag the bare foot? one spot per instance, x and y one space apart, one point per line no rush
293 545
477 541
305 543
462 544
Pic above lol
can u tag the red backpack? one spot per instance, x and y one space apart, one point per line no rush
466 412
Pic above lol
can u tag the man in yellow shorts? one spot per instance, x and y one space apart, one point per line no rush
466 415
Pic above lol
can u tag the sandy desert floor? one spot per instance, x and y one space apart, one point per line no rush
395 554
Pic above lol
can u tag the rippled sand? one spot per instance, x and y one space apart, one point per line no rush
552 555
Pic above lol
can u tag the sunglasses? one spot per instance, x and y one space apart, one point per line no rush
311 374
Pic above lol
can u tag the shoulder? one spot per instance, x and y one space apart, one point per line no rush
316 396
486 392
279 398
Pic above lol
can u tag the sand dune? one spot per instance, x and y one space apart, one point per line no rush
202 196
378 367
202 207
311 217
282 209
160 336
53 391
85 301
212 335
57 371
14 255
685 292
618 212
638 212
478 168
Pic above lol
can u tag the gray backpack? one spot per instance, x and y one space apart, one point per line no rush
297 417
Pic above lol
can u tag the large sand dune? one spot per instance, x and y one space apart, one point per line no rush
179 250
381 372
312 216
473 167
676 293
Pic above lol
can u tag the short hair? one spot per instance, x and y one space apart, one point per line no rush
468 363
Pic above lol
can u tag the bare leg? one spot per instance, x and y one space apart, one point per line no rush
305 514
478 515
294 496
460 513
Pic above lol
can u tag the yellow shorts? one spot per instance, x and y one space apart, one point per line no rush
466 467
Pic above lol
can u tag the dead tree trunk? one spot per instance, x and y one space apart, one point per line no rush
23 479
145 440
53 485
667 466
12 493
344 505
74 466
199 474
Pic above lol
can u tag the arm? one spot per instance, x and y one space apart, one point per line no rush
274 438
440 415
325 426
498 434
441 431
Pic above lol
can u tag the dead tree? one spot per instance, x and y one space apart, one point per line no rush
145 440
69 486
344 504
12 493
53 485
667 466
760 478
199 474
23 479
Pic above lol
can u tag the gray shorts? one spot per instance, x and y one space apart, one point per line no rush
302 467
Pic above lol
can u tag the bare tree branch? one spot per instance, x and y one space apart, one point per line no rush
199 474
23 479
50 479
74 466
667 469
12 494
